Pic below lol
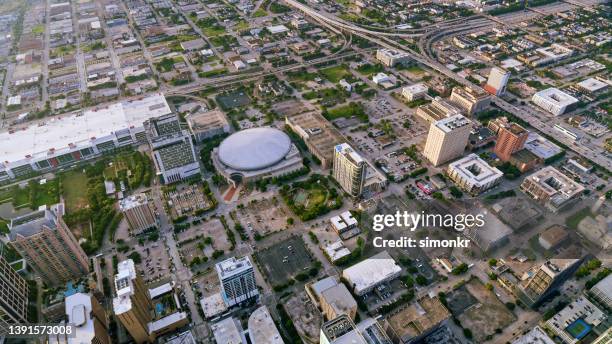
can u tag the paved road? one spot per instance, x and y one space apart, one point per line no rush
599 156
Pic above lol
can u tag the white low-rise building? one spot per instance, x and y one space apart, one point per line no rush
370 273
414 92
474 175
390 58
554 101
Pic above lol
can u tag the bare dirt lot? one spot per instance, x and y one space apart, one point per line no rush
305 315
264 216
487 315
202 240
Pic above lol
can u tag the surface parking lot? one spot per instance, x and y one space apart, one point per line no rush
281 261
155 262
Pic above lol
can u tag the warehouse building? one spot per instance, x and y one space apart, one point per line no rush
372 272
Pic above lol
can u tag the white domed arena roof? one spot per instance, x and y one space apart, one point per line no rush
254 149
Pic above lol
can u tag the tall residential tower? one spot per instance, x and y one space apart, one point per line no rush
349 169
13 297
132 305
45 241
237 278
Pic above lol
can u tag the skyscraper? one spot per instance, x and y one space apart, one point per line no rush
13 297
447 139
46 243
497 82
349 169
89 321
510 139
132 304
237 279
137 210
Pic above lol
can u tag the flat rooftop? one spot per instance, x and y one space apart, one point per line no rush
262 329
536 336
371 271
203 121
78 128
126 273
592 84
555 183
476 170
541 147
556 96
415 88
418 317
228 331
348 152
133 201
78 309
451 123
233 266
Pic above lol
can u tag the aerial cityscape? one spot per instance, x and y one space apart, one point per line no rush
305 171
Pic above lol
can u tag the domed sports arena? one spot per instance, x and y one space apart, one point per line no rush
256 153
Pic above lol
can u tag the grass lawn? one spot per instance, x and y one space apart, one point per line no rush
225 41
184 38
572 221
3 226
212 73
369 69
346 111
74 185
316 196
212 31
63 50
336 73
40 28
241 26
259 13
415 69
312 197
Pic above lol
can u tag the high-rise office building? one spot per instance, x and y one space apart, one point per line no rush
510 139
447 139
497 82
13 297
349 169
89 321
44 240
138 213
469 100
546 279
172 149
237 278
132 305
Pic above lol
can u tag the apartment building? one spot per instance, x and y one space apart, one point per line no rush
349 169
44 240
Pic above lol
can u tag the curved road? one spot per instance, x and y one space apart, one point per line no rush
599 157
